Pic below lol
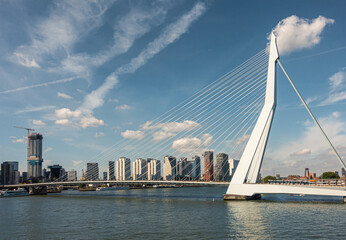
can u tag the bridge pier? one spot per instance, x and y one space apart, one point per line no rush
38 190
232 197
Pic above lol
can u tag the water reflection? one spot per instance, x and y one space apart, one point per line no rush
247 220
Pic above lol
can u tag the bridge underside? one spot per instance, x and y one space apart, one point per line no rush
254 191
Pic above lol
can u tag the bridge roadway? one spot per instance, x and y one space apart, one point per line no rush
69 183
160 182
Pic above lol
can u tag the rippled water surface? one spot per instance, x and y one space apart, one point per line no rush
170 213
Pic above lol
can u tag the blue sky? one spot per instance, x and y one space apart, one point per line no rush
83 73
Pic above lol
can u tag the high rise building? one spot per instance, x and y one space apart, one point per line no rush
139 169
55 172
343 172
104 175
24 176
34 155
154 169
233 164
72 175
92 172
123 169
181 165
9 173
196 167
169 168
222 167
110 171
208 166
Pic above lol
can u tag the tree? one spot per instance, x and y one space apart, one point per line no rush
329 175
267 178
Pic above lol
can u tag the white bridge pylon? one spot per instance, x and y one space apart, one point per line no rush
243 182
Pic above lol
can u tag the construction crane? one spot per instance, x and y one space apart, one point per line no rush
29 129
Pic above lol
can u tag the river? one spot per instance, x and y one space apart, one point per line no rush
170 213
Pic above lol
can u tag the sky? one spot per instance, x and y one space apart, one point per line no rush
88 74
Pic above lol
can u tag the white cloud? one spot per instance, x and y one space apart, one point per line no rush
132 134
48 149
160 135
67 21
20 140
91 121
38 122
311 140
294 33
64 95
99 134
242 139
303 152
172 126
25 61
337 88
62 122
169 35
311 100
113 100
123 107
35 109
64 113
129 28
76 163
41 85
191 144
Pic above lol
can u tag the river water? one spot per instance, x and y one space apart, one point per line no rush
170 213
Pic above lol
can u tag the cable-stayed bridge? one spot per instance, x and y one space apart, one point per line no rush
231 115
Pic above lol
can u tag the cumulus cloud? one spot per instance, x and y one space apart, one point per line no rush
64 95
294 33
132 134
191 144
123 107
99 134
64 113
38 122
91 121
172 126
62 122
160 135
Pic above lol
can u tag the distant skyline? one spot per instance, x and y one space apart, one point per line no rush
88 74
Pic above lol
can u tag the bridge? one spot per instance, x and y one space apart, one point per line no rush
233 114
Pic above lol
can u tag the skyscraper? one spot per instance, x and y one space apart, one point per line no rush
343 172
181 165
34 155
55 172
196 167
222 167
208 166
110 171
233 164
123 169
154 169
72 175
9 173
92 172
139 169
169 168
